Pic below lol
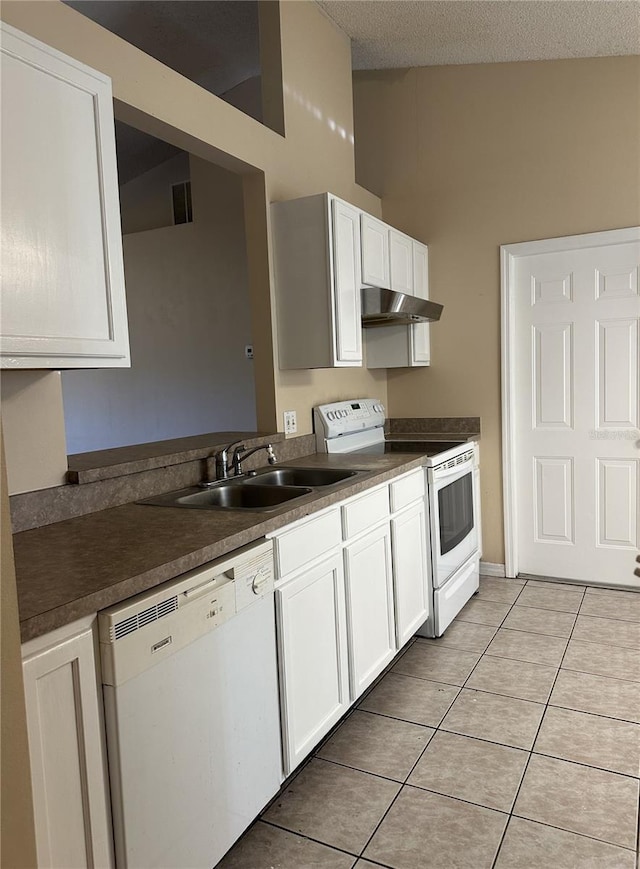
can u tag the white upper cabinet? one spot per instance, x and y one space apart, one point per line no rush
325 252
401 255
403 346
346 283
375 252
316 243
419 335
63 298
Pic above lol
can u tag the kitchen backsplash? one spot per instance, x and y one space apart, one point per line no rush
111 485
434 425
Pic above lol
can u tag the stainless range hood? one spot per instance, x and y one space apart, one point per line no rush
382 307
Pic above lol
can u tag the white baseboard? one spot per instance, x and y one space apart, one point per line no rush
489 569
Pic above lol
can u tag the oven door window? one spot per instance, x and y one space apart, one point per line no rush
455 506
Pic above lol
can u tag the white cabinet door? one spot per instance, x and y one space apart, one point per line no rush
314 689
66 745
63 299
375 252
410 571
403 346
419 337
370 622
401 255
347 281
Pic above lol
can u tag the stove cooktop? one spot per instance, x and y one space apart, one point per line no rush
425 448
429 448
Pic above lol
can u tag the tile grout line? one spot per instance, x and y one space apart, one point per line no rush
535 739
638 834
314 756
482 654
404 783
610 618
308 839
573 833
508 814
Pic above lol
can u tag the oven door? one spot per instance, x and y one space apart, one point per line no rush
454 533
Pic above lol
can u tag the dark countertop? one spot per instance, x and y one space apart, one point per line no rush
71 569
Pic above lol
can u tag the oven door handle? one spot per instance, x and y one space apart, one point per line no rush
439 475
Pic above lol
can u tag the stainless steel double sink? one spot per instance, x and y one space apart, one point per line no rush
261 491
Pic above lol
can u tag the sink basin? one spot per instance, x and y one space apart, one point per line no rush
231 496
315 477
265 491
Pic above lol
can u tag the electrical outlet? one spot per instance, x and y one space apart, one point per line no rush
290 422
248 351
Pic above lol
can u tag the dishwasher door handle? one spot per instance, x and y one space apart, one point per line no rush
203 588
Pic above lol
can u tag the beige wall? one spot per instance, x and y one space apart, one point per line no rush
470 157
315 155
17 836
145 201
33 423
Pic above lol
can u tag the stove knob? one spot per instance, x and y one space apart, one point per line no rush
331 415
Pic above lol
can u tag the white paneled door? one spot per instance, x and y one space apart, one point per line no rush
572 426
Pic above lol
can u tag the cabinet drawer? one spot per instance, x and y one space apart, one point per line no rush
365 512
407 490
307 541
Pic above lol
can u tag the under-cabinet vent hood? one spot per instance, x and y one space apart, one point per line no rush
382 307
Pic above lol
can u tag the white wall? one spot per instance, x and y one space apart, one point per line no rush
188 305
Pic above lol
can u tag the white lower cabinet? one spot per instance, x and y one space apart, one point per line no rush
346 601
314 680
369 594
410 555
67 749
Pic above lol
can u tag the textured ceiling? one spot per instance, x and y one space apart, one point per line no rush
405 33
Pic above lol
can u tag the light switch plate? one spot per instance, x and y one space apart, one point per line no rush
290 422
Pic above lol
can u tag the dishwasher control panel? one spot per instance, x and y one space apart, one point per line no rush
253 579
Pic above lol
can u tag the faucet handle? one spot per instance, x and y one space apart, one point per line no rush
224 450
222 460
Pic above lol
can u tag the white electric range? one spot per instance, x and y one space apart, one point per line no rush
357 426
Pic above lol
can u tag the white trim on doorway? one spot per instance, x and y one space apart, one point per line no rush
509 253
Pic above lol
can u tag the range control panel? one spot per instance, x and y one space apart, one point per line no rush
346 417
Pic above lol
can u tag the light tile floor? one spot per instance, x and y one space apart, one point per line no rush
511 742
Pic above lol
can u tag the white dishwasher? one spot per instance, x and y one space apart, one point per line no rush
191 701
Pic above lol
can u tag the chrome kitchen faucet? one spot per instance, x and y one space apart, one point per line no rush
238 458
